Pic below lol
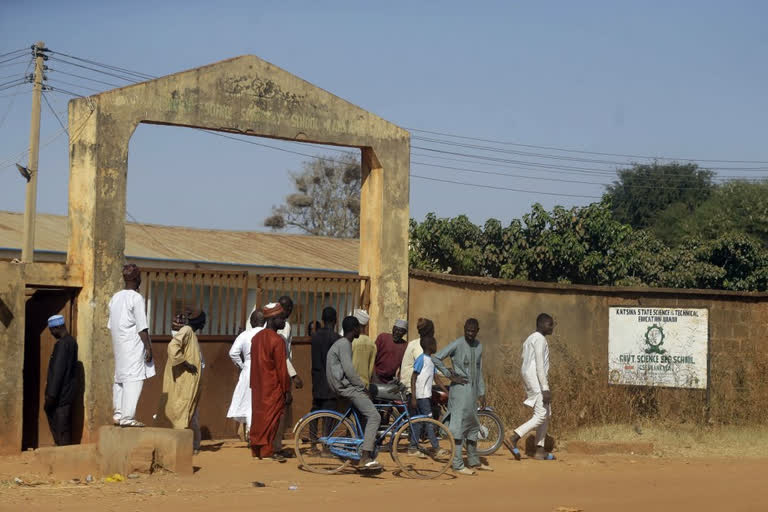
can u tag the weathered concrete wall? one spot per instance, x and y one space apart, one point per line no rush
507 312
11 357
14 279
243 95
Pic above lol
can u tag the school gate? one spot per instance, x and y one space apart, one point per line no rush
244 95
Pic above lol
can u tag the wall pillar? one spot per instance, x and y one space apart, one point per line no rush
97 196
384 216
12 319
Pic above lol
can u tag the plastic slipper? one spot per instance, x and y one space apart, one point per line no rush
548 456
514 450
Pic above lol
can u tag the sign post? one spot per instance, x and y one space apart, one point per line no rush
653 346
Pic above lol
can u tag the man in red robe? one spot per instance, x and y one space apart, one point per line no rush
270 384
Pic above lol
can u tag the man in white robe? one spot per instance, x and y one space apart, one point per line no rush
535 372
132 348
240 353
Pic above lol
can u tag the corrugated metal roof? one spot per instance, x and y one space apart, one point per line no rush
175 243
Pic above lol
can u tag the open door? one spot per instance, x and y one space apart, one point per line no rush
38 346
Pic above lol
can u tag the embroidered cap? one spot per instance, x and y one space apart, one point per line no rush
55 321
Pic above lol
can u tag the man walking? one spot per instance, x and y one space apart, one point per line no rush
467 389
270 385
61 385
363 349
132 348
535 371
346 383
390 349
181 381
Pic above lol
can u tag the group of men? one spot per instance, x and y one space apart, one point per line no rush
343 366
346 366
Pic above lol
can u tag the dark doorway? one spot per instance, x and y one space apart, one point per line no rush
38 345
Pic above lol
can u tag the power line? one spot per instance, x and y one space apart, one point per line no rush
121 77
603 184
556 157
17 93
134 76
553 148
20 50
493 187
59 89
15 75
85 77
13 101
63 126
607 174
143 76
564 168
12 59
59 81
14 82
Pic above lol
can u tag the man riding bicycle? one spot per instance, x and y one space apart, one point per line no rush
346 383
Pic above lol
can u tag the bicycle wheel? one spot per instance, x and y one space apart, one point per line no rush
312 453
491 432
427 460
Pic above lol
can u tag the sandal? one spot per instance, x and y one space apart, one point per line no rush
132 423
512 448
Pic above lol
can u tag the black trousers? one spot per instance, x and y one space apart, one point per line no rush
60 421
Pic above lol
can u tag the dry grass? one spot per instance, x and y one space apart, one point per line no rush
683 440
585 406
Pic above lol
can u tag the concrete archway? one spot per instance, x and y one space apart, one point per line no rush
243 95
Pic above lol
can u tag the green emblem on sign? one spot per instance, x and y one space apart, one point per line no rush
654 338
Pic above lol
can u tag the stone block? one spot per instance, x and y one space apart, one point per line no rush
67 462
127 450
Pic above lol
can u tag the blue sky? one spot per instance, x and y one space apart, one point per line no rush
642 78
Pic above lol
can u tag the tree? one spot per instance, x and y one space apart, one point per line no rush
735 206
326 201
586 245
644 191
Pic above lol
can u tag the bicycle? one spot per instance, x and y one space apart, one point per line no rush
491 435
328 441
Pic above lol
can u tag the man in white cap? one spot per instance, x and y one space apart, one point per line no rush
363 348
390 349
61 386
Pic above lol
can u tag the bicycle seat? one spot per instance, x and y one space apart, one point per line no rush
387 392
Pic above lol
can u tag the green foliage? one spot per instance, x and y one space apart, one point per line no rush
643 191
585 245
733 206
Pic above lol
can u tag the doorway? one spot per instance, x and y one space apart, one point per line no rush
43 303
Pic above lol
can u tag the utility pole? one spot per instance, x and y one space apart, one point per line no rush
30 206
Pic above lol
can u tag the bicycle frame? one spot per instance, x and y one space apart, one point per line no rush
347 447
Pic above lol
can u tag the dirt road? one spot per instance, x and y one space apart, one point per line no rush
590 483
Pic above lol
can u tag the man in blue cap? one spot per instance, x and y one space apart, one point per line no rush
61 386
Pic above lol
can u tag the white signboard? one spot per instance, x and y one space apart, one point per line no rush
650 346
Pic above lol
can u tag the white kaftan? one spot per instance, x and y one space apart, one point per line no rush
127 318
535 367
240 353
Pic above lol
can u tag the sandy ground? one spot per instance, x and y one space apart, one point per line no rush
225 472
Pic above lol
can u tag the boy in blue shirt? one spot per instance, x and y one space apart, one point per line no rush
422 380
